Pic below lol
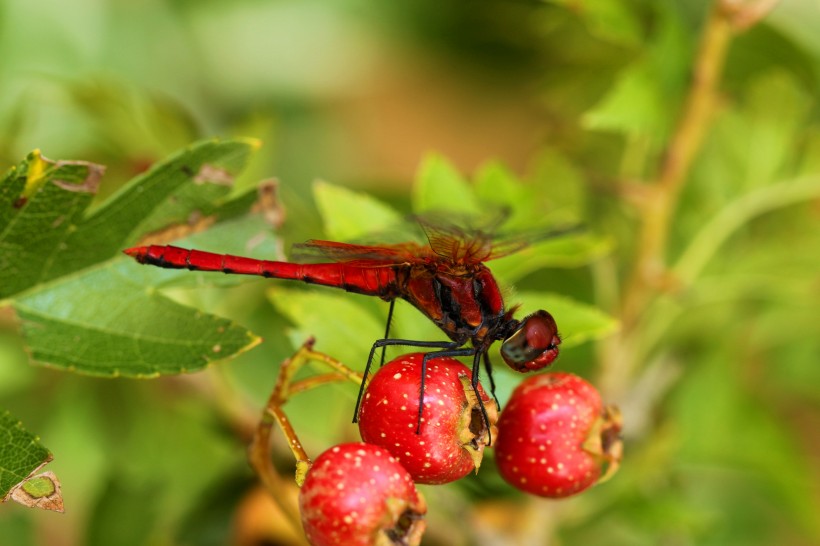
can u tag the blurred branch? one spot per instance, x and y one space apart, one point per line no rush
737 213
8 319
259 450
656 201
260 459
744 16
695 118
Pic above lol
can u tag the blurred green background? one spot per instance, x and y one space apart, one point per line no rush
716 371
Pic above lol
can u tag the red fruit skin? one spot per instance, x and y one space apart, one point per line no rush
542 434
359 495
452 437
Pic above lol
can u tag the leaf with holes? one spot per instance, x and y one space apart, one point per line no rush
20 456
79 310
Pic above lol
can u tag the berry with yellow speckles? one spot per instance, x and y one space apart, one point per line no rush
449 441
555 437
359 495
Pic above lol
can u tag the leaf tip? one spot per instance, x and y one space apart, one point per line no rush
42 491
319 184
253 340
34 175
253 143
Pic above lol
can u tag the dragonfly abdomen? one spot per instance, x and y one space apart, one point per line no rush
372 281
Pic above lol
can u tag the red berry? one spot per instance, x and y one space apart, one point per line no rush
555 438
358 494
452 433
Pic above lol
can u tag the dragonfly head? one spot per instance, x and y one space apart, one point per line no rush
533 344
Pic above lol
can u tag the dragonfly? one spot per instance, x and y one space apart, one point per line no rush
445 278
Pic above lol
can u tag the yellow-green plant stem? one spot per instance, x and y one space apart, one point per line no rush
737 213
259 450
657 201
660 202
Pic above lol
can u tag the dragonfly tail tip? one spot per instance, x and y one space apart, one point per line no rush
135 252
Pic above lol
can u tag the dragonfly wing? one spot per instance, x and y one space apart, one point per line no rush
318 251
459 238
465 239
455 238
506 244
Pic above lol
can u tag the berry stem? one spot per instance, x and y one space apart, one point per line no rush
259 450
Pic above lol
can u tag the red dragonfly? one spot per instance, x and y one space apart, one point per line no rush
445 279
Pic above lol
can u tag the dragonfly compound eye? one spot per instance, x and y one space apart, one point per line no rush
533 345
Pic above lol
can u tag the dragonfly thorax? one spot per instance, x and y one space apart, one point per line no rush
467 307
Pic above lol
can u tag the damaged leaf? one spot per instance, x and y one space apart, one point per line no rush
80 311
46 231
132 332
41 491
21 454
41 203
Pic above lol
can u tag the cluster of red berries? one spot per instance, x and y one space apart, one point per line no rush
554 438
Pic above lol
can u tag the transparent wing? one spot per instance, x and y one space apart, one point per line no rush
319 251
464 239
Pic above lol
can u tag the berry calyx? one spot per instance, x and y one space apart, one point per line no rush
555 437
449 440
358 494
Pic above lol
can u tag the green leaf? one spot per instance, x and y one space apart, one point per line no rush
19 528
40 486
526 204
131 331
344 327
44 233
711 402
739 212
42 201
128 120
609 20
645 98
571 250
553 196
577 322
162 196
439 186
247 235
750 146
349 215
495 183
634 106
21 454
41 491
409 323
810 162
125 513
798 20
560 182
210 517
78 314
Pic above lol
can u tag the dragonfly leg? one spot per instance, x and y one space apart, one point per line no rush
387 329
488 367
446 345
474 383
440 354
